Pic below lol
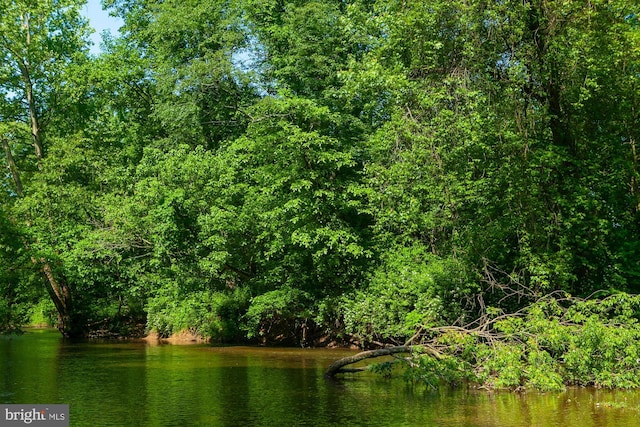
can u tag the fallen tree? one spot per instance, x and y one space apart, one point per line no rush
557 340
338 367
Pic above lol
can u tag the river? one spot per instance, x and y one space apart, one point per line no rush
138 384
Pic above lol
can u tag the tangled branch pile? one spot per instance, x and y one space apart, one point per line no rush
557 340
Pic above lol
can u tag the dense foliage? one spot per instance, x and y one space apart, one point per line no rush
549 344
363 170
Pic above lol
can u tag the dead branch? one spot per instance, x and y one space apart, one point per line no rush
337 367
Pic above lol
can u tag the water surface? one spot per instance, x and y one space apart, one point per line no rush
137 384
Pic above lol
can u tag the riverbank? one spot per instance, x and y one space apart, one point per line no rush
180 338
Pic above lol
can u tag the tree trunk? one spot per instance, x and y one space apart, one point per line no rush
36 132
540 31
35 122
13 169
61 297
337 367
57 288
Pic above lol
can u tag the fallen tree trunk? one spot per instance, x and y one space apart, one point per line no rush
337 367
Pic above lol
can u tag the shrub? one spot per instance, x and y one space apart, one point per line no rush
209 314
410 290
278 315
43 313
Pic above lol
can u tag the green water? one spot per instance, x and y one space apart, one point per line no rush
136 384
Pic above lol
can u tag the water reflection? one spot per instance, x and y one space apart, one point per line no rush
136 384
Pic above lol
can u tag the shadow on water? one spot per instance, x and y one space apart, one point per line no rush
136 384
